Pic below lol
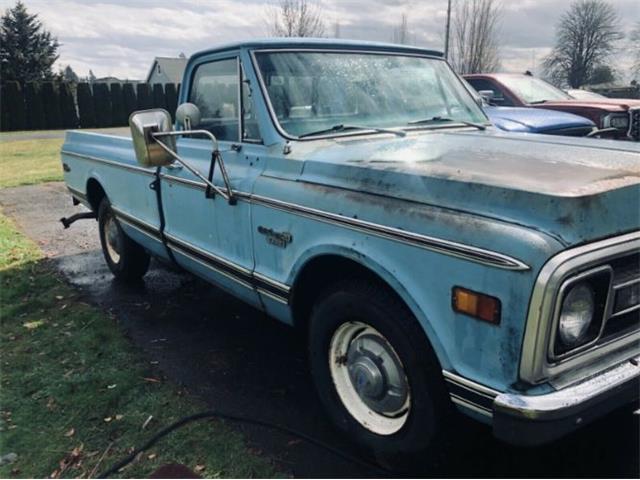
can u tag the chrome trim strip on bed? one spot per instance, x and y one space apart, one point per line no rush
77 193
272 288
91 158
467 252
447 247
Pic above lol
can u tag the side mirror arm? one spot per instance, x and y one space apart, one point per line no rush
215 157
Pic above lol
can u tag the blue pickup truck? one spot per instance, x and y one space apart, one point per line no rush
357 192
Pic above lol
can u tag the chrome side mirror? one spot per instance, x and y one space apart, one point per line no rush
144 124
188 116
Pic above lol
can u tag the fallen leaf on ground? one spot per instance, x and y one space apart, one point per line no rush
70 433
107 419
146 422
33 325
199 468
110 387
59 297
119 417
151 379
151 456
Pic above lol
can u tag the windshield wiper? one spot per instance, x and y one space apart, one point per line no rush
341 128
436 119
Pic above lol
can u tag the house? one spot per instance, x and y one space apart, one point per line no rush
167 70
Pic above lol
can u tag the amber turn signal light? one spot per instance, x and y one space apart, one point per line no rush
477 305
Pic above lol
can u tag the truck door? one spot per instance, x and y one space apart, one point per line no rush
210 236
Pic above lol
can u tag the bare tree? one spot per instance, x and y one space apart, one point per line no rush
336 29
475 36
295 18
585 39
634 45
401 33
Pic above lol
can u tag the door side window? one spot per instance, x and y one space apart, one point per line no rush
498 95
215 90
250 129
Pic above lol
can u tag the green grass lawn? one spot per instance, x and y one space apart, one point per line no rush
75 394
24 162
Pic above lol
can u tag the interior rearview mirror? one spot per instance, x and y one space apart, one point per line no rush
144 124
188 116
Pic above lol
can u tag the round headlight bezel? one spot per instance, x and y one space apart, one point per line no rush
612 118
577 311
599 280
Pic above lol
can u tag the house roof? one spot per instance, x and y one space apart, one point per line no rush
171 67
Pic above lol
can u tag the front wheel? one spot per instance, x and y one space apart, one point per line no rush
127 260
374 369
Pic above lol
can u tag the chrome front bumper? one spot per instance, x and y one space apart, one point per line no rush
533 420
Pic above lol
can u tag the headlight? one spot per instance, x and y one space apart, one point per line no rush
616 120
576 314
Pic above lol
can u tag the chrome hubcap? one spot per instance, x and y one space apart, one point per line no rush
112 237
369 378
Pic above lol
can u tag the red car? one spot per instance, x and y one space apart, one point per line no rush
620 115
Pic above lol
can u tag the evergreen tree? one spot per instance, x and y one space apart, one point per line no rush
130 101
86 109
27 50
102 103
68 107
51 103
34 107
68 75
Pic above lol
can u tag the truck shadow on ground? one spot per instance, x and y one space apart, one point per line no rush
244 363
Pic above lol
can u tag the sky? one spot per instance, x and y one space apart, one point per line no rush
121 37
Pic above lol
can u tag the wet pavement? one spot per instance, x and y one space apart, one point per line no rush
241 362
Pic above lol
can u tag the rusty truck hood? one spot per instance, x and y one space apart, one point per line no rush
574 190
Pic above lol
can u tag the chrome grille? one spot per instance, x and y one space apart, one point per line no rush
624 315
634 124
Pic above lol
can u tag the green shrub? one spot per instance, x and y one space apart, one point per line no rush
51 103
118 114
145 102
86 108
103 104
68 106
35 109
129 97
171 99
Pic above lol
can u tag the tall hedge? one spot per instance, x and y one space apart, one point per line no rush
86 108
158 96
130 100
51 103
171 99
34 107
68 106
12 108
103 104
118 115
145 102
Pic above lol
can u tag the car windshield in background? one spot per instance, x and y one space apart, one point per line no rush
317 91
532 89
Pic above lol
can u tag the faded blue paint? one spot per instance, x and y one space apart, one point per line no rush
523 196
534 120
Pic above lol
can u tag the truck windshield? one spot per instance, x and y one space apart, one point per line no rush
316 91
532 89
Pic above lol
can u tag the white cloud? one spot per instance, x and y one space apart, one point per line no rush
121 37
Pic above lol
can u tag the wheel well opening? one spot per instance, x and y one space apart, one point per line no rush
317 275
95 193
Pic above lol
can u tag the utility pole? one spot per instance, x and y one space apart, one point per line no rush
446 33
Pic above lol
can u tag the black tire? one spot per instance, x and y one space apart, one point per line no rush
131 261
373 303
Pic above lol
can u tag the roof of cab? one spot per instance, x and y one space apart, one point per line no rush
320 43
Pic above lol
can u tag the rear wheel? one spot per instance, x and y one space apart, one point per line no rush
127 260
374 369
